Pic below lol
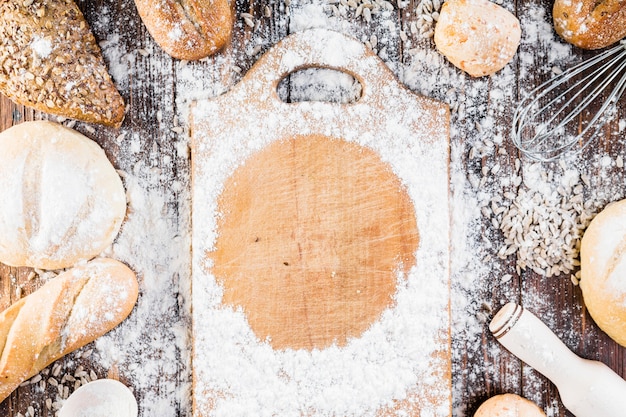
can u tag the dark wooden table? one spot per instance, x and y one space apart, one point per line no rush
156 89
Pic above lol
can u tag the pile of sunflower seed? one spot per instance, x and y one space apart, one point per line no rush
543 225
58 383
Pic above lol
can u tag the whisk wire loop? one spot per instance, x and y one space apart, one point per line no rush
544 131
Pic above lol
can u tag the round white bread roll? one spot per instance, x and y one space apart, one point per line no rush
509 405
62 200
603 270
477 36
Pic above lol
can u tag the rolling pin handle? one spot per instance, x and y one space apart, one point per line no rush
587 388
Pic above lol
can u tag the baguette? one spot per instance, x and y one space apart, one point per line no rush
590 24
66 313
187 29
50 61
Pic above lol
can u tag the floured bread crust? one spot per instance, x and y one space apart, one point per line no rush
590 24
66 313
187 29
49 60
63 200
477 36
603 270
509 405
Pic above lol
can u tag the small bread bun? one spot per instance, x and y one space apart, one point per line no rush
62 200
188 29
477 36
603 270
590 24
509 405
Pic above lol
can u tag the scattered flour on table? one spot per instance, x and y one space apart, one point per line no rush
152 348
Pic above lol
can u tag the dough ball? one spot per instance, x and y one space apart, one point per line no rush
509 405
603 270
477 36
62 200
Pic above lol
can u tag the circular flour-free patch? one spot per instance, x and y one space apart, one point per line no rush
312 236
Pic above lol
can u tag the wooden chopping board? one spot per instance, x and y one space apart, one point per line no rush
320 242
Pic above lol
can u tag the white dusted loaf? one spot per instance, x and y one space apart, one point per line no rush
62 200
603 270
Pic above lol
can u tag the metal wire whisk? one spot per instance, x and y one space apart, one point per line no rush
556 117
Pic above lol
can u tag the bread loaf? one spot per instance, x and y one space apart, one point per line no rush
187 29
49 60
66 313
590 24
477 36
62 199
603 270
509 405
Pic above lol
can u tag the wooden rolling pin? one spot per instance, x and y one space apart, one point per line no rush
587 388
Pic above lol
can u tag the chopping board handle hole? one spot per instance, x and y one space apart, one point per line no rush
319 84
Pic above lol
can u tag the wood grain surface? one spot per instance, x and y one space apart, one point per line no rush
313 227
480 367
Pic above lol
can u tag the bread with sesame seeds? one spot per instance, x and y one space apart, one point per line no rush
50 61
187 29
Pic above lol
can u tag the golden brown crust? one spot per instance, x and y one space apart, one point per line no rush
477 36
590 24
187 29
66 313
50 61
509 405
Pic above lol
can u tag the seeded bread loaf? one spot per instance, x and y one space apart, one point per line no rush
66 313
590 24
63 201
187 29
49 60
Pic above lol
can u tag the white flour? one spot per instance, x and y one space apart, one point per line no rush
151 349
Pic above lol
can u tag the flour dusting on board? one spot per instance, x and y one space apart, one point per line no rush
396 357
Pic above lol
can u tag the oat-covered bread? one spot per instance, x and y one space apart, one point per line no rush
62 200
49 60
187 29
590 24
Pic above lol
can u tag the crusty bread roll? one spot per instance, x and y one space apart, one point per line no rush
49 60
590 24
187 29
62 199
66 313
477 36
509 405
603 270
